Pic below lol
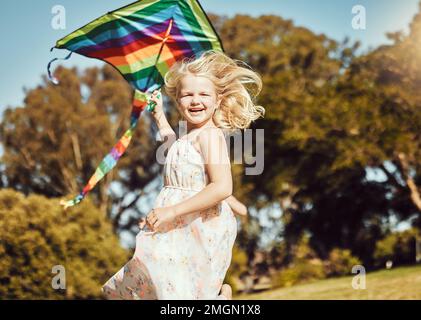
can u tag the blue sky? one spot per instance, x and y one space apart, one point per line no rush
27 35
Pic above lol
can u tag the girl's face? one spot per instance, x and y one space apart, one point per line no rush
197 100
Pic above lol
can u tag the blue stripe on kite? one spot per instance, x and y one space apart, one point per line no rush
186 29
109 161
141 83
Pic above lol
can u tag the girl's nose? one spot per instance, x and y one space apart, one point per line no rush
195 100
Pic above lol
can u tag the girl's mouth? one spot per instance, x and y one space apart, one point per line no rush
196 111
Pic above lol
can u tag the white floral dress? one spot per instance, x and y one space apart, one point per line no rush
189 259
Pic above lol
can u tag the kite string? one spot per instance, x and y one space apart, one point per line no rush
50 76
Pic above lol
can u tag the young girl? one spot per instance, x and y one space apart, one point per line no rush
187 248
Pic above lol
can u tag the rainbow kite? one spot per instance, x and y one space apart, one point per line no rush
142 41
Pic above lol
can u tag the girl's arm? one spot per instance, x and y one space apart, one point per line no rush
237 207
158 115
218 166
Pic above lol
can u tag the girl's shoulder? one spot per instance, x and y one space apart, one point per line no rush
211 133
211 137
212 144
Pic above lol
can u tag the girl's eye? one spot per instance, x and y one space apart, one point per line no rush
189 95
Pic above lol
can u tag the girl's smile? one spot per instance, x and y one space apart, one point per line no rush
197 100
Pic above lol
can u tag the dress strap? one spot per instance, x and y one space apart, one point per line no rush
189 143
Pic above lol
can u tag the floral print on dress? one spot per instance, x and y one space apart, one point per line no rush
189 258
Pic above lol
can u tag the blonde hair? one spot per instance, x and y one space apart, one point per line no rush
236 85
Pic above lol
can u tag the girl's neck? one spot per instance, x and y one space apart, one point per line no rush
194 127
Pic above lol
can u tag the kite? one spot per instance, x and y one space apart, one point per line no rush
142 41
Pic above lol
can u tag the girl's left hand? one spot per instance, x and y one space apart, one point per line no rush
158 217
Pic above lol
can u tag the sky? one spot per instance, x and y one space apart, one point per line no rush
27 33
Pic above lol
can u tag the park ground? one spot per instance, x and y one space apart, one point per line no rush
402 283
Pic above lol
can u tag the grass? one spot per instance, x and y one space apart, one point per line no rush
402 283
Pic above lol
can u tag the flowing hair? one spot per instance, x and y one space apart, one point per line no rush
235 82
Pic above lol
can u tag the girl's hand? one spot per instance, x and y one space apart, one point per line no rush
237 207
157 98
158 217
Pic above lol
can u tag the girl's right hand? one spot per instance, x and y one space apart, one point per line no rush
157 98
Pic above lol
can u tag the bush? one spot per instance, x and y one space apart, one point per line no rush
399 247
340 262
36 234
305 266
299 272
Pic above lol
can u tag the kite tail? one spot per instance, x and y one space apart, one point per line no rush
140 101
50 76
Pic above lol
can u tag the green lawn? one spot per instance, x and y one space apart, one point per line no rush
399 283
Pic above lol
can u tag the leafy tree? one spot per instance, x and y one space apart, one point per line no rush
37 235
304 265
297 67
398 247
340 262
375 119
332 117
54 142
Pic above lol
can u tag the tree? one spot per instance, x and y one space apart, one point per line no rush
386 83
36 235
54 142
376 115
398 247
332 118
297 67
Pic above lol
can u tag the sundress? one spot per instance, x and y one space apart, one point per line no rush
189 258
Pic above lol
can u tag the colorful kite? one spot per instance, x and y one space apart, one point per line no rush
142 41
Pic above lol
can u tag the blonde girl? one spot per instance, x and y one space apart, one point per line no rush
186 250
